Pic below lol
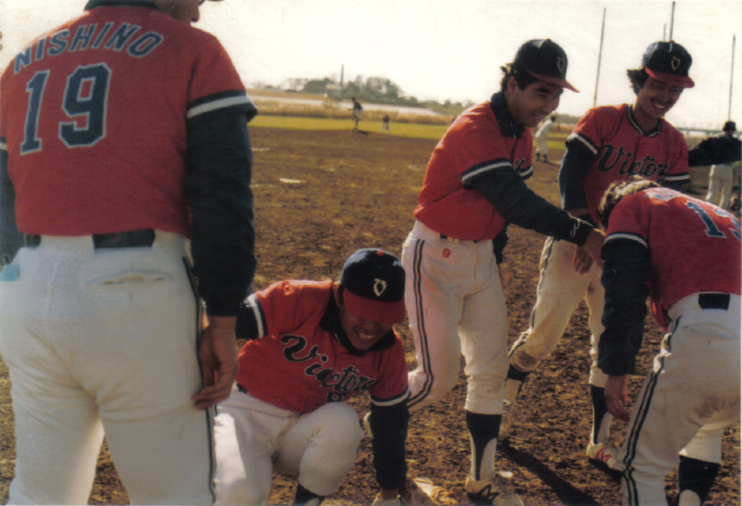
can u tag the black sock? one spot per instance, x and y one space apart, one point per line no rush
517 374
303 495
600 408
696 475
483 429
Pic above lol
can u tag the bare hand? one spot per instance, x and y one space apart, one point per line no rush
593 246
581 260
616 396
217 355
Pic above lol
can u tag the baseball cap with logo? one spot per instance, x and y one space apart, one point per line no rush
373 282
668 62
545 60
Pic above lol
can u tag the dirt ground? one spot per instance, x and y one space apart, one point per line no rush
319 196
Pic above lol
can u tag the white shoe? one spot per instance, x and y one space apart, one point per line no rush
607 453
367 425
497 491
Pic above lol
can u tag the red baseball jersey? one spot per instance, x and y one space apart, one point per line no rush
473 145
298 362
694 246
622 150
80 82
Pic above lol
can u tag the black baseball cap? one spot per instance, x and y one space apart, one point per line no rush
668 62
373 283
730 126
545 60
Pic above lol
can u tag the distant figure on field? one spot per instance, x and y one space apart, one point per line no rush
541 135
357 112
722 152
385 124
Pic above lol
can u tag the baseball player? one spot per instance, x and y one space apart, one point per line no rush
313 345
685 254
385 122
722 152
542 134
609 143
357 112
123 133
473 186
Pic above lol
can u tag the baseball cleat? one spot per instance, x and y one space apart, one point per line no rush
607 453
497 491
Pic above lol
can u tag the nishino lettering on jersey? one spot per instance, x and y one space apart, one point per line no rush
89 37
342 384
648 167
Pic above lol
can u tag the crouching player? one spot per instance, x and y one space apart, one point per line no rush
685 254
313 345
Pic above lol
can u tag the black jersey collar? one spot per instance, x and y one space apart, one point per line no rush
120 3
632 120
331 323
508 126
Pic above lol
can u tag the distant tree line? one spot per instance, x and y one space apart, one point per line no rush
375 90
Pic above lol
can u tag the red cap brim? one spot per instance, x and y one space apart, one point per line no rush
374 310
554 80
671 79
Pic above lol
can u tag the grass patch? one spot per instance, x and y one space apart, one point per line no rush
415 130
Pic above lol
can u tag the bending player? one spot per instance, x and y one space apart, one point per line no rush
685 254
722 152
474 185
542 136
609 143
313 345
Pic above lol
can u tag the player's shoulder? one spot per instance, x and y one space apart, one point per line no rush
616 112
670 130
304 287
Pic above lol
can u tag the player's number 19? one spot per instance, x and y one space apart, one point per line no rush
86 95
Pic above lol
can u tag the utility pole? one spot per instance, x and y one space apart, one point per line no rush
731 79
600 56
672 19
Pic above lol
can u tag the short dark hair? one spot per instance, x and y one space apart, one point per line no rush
617 191
522 77
638 78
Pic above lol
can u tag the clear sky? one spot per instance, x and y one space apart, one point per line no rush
453 49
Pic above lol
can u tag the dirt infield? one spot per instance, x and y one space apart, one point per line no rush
321 195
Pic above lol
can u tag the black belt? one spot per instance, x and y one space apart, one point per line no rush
713 300
132 239
445 238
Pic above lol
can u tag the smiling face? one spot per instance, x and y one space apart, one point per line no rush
530 105
654 100
361 333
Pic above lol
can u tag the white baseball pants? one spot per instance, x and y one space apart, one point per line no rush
688 399
721 180
253 437
455 306
105 340
560 290
542 146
